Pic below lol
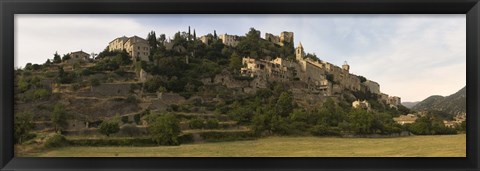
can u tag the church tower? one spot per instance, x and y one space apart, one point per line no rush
346 67
299 53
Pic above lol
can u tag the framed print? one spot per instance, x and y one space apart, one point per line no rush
197 85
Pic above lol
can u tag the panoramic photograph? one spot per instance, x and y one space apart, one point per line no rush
181 85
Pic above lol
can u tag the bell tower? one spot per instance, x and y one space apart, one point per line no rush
299 53
346 67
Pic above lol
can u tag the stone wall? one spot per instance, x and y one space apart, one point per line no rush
171 98
111 89
272 38
372 86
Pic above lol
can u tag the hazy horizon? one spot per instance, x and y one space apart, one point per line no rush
410 56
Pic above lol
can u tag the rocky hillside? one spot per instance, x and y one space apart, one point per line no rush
453 104
409 104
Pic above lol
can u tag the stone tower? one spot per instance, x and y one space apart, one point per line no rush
346 67
299 53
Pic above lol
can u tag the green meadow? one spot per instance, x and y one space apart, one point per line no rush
413 146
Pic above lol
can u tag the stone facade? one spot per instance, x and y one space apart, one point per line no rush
394 101
230 40
405 119
137 47
206 39
78 57
361 104
284 37
277 69
320 76
272 38
372 86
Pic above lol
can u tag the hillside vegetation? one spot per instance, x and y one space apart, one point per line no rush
445 107
186 92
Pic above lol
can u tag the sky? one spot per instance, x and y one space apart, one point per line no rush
410 56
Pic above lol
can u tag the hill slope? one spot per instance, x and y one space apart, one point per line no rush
452 104
409 104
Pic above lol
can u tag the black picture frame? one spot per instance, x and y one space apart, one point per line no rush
9 8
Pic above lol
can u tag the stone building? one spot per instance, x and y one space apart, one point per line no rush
318 70
78 57
230 40
286 37
206 39
346 67
320 77
450 124
277 69
137 47
394 101
361 104
405 119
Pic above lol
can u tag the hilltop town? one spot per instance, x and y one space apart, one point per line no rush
225 83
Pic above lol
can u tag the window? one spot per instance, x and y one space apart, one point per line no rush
138 47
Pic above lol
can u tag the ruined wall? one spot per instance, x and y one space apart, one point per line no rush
286 37
372 86
272 38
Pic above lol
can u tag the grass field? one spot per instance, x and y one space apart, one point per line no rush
414 146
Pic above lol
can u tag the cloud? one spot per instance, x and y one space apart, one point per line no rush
424 56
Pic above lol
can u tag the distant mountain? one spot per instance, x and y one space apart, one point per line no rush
453 104
409 104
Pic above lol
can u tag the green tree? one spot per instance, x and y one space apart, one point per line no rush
284 104
59 117
23 124
250 45
66 57
109 127
28 66
164 129
235 62
463 126
48 62
152 39
267 121
360 121
240 113
56 58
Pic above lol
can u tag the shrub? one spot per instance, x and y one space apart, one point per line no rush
56 141
165 129
137 118
94 82
108 128
132 99
113 142
227 136
196 123
86 72
212 124
41 94
323 130
185 138
22 126
125 119
130 130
